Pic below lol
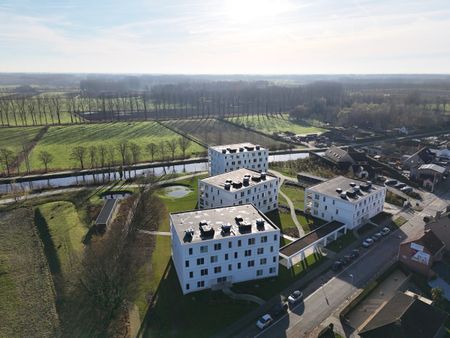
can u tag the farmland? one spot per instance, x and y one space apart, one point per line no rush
27 308
214 132
13 138
270 124
60 140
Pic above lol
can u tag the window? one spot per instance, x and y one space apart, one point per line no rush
235 255
190 251
186 264
239 265
263 261
275 237
271 249
218 269
200 261
251 241
274 259
247 253
337 211
230 267
226 257
264 239
214 259
187 286
221 279
203 249
204 272
324 198
230 245
239 243
201 284
217 246
259 272
272 270
191 274
251 263
260 251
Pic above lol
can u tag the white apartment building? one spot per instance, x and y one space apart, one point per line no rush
345 200
239 187
226 158
213 248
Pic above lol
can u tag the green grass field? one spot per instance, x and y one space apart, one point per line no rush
12 138
272 124
295 194
214 132
59 141
27 306
67 232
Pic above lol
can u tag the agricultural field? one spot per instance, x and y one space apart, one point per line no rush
215 132
59 141
269 124
13 138
27 307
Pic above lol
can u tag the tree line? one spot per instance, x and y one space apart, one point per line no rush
106 155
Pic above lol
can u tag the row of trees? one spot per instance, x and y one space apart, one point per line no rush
103 155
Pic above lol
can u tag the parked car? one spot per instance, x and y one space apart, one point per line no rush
295 297
390 182
264 321
279 309
348 258
336 266
354 253
377 236
385 231
400 185
343 261
367 242
406 189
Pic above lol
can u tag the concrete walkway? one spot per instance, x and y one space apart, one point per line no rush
243 296
157 233
283 178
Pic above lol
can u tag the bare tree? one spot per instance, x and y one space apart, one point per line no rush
152 149
78 154
162 150
26 156
46 158
123 150
93 156
172 144
6 158
103 154
184 144
135 152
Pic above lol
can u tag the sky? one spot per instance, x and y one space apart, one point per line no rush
225 36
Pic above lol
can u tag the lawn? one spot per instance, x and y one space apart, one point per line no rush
269 287
27 307
295 194
269 124
342 242
399 221
12 138
282 218
214 132
66 232
61 140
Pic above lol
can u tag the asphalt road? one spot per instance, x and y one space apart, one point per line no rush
334 294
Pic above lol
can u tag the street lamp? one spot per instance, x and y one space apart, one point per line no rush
323 290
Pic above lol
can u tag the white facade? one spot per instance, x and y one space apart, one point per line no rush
239 187
221 258
348 201
226 158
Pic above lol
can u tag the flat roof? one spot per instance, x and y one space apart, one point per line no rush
106 211
433 167
238 176
215 218
346 184
311 237
247 146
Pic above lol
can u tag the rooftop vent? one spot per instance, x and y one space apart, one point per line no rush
246 180
256 178
238 219
338 190
260 223
369 184
241 149
226 228
229 181
237 184
249 148
351 194
352 184
206 230
224 151
263 175
227 186
188 234
258 147
245 226
344 195
232 150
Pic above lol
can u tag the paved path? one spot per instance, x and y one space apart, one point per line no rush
243 296
157 233
283 178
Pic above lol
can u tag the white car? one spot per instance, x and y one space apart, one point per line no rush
385 231
295 297
264 321
368 242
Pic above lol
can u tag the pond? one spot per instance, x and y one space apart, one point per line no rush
176 191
